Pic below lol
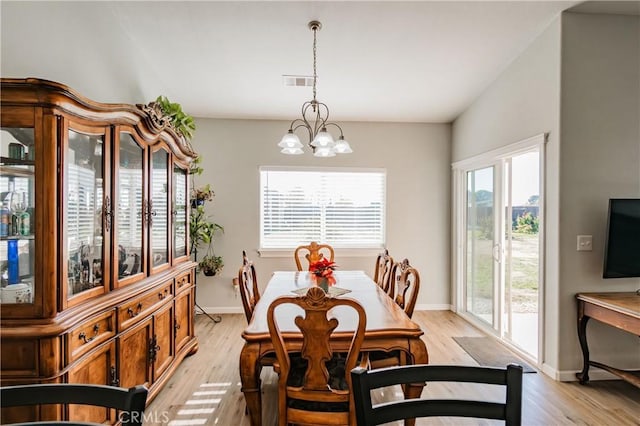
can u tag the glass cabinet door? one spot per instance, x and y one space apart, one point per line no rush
129 209
17 213
180 223
158 208
83 227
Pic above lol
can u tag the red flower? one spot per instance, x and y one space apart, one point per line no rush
323 268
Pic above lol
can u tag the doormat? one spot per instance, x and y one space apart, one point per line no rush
489 353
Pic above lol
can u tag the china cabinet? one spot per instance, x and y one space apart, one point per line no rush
96 282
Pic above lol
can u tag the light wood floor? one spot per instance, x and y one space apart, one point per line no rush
205 389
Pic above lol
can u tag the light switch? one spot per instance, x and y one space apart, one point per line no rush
584 243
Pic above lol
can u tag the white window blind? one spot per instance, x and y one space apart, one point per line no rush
341 207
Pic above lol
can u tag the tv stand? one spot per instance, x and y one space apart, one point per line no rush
620 310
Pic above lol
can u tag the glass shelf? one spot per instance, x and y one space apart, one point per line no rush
17 212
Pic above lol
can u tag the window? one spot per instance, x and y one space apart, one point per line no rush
341 207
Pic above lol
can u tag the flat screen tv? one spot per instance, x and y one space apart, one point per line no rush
622 245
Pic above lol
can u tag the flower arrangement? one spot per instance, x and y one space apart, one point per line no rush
323 268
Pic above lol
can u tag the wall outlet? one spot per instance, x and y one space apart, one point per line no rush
585 243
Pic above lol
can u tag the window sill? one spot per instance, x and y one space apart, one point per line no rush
339 252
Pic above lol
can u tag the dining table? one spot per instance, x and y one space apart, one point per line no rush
388 328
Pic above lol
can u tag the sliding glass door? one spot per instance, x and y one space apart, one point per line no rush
499 238
480 242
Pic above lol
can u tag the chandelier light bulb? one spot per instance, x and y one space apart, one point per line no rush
342 146
324 152
323 139
290 140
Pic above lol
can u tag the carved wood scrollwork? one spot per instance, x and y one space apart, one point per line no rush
316 297
157 121
155 118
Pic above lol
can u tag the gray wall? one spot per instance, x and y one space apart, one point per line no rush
600 159
580 81
522 102
415 156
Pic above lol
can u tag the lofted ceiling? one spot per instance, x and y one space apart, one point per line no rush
377 61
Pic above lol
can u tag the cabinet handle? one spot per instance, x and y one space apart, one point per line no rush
150 212
153 348
83 336
114 376
108 213
137 311
162 296
176 327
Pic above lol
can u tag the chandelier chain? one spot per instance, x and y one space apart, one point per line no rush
315 75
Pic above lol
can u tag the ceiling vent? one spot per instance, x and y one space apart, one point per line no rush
298 80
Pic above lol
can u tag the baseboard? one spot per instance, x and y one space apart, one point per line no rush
570 375
222 310
432 307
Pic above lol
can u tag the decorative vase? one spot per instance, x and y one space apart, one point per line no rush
323 283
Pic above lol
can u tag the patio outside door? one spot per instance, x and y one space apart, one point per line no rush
499 233
482 269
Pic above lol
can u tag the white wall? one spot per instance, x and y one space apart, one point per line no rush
522 102
415 156
600 159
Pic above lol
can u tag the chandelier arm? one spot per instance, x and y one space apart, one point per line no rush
306 126
334 124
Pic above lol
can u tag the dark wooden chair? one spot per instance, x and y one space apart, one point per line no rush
314 253
314 387
382 273
248 283
368 414
131 402
405 283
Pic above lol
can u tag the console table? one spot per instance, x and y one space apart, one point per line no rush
620 310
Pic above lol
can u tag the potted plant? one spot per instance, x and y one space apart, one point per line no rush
211 264
202 230
200 195
181 121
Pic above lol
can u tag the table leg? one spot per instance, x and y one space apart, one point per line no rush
417 355
250 379
583 376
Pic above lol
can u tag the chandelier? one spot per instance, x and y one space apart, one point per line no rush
315 116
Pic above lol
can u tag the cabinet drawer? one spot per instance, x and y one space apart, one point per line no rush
183 281
143 305
90 334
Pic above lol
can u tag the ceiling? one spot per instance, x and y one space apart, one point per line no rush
377 61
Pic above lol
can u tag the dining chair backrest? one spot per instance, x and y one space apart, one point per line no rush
131 402
369 414
404 286
315 387
248 283
314 252
382 273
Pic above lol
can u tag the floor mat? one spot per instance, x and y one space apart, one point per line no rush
488 352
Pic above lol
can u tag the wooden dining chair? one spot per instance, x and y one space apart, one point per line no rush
131 402
250 295
314 253
382 273
248 283
315 386
369 414
404 286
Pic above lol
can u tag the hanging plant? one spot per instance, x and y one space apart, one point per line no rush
181 121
